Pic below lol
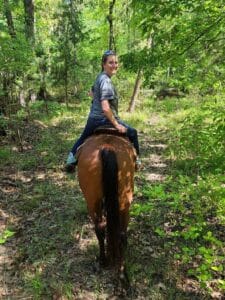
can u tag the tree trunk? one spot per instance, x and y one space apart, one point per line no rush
111 29
42 93
29 20
138 80
6 100
66 82
136 91
8 15
128 27
6 96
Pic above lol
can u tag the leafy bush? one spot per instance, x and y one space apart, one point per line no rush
187 211
190 215
201 138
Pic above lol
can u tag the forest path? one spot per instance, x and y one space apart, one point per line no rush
53 252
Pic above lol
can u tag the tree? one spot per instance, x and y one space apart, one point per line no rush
183 41
110 20
67 34
29 19
8 15
136 90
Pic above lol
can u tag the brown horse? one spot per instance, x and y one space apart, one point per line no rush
106 165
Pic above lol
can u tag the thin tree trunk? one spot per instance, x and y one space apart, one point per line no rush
138 80
66 91
66 83
7 77
29 20
42 93
6 96
128 27
8 15
135 92
111 28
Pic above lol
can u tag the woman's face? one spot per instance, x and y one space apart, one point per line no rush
111 65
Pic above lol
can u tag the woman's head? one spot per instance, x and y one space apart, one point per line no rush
110 62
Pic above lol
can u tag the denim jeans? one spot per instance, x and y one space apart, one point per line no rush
92 124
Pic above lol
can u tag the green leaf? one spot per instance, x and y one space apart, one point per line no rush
217 268
5 235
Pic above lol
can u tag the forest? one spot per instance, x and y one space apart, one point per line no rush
171 89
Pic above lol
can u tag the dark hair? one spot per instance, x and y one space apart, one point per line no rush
105 55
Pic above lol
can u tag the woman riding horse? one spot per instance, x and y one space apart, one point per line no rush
106 165
104 109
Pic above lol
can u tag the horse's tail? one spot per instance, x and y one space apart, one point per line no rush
111 201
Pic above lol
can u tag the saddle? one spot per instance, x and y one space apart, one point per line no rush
107 129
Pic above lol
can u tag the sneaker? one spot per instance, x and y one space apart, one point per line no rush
71 159
138 164
71 163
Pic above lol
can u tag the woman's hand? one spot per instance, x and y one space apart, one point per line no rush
121 128
109 115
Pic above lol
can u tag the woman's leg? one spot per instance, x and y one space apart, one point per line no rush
132 135
89 129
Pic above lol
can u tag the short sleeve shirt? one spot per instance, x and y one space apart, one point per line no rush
103 89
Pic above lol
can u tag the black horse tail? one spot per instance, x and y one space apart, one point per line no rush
111 201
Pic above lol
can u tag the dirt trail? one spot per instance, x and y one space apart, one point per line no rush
74 261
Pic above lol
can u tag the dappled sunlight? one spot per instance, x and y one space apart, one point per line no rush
12 182
154 164
154 177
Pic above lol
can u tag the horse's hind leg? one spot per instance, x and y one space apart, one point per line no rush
124 218
100 233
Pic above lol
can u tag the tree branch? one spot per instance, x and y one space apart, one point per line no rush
202 34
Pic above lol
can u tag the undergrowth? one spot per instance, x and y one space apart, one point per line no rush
187 210
177 225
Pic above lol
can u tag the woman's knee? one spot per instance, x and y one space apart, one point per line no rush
131 132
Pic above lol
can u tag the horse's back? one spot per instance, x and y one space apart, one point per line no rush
88 154
90 169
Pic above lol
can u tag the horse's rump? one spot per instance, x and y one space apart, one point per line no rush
90 163
106 166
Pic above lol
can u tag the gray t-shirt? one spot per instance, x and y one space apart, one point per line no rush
103 89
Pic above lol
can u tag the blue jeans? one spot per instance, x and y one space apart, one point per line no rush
92 124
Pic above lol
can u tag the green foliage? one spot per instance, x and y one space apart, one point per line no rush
188 223
16 56
46 110
187 211
66 36
35 285
173 45
201 137
6 235
184 48
4 154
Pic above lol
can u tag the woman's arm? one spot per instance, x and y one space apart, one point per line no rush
109 115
